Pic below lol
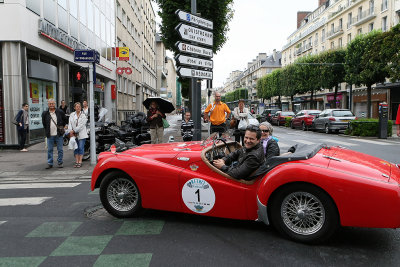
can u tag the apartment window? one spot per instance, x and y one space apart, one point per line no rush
370 26
349 38
123 17
340 24
332 28
33 5
359 31
73 8
371 6
384 5
316 38
323 35
332 45
384 24
359 13
119 11
129 25
349 20
340 43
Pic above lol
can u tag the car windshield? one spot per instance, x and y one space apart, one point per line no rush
314 113
342 113
287 113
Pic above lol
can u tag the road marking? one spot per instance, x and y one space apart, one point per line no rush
304 142
340 142
38 185
1 222
371 142
22 201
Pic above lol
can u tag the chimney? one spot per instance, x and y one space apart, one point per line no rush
274 54
300 16
321 2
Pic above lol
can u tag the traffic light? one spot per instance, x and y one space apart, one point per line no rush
80 76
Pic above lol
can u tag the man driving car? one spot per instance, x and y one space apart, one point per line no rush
248 158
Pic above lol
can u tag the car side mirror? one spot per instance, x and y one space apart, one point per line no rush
316 116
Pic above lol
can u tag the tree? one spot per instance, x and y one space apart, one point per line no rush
332 69
289 84
219 12
391 52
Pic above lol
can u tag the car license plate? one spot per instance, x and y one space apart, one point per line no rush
345 120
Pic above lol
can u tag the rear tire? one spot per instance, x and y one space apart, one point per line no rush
304 213
120 195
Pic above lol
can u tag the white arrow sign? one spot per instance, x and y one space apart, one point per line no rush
195 34
193 49
193 61
192 73
184 16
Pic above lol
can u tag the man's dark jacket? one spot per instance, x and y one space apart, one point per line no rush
62 120
248 160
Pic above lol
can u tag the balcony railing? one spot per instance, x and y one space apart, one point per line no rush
364 17
299 50
335 32
307 47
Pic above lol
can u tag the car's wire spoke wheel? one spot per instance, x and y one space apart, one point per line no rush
122 194
303 213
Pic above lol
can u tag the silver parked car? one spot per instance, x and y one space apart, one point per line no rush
332 120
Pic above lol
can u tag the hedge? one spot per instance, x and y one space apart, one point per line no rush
367 127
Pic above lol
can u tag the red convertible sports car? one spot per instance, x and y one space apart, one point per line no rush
306 195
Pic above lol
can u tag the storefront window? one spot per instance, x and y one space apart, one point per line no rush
39 93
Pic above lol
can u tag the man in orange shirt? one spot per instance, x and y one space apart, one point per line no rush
218 111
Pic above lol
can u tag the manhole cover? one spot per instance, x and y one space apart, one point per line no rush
98 213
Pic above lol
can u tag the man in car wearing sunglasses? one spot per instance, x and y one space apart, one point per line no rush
240 164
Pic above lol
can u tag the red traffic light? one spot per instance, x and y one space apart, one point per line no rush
80 76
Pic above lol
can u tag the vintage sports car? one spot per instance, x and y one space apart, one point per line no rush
305 195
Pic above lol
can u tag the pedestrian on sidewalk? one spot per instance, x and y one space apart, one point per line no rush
22 119
85 109
187 127
398 121
64 108
154 117
54 121
77 128
218 112
240 113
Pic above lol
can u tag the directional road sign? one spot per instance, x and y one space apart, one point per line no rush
198 21
192 73
87 56
194 49
194 34
194 61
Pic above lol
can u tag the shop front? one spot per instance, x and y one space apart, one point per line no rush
360 102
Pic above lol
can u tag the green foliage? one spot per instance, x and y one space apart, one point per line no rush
219 12
288 121
366 127
391 52
240 93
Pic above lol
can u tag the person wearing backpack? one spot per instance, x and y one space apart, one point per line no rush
218 112
22 120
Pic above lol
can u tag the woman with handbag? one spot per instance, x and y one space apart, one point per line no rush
77 128
240 113
155 118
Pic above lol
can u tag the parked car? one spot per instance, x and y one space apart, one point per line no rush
308 201
332 120
303 119
280 117
267 114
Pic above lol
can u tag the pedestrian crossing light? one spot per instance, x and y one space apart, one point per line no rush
80 76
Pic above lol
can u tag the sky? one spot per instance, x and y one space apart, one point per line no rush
258 26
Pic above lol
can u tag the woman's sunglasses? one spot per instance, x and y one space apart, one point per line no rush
265 131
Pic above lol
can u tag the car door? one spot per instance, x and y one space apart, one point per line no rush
319 119
297 119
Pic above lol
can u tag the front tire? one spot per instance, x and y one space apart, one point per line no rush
327 130
120 195
304 213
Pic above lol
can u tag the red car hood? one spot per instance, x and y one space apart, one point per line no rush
164 152
360 164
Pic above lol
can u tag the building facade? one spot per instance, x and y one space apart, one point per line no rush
334 24
37 58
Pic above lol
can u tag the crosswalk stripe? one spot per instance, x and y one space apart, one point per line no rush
38 185
22 201
304 142
371 142
335 142
1 222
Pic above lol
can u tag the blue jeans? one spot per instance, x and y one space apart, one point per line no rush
81 147
50 145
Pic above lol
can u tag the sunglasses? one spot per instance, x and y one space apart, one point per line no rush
265 131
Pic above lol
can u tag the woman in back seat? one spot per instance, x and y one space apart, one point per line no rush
269 144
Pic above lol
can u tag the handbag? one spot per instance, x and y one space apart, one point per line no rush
233 123
165 123
60 129
242 124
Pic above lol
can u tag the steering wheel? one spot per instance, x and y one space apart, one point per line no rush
214 153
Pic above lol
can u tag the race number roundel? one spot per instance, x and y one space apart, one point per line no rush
198 195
